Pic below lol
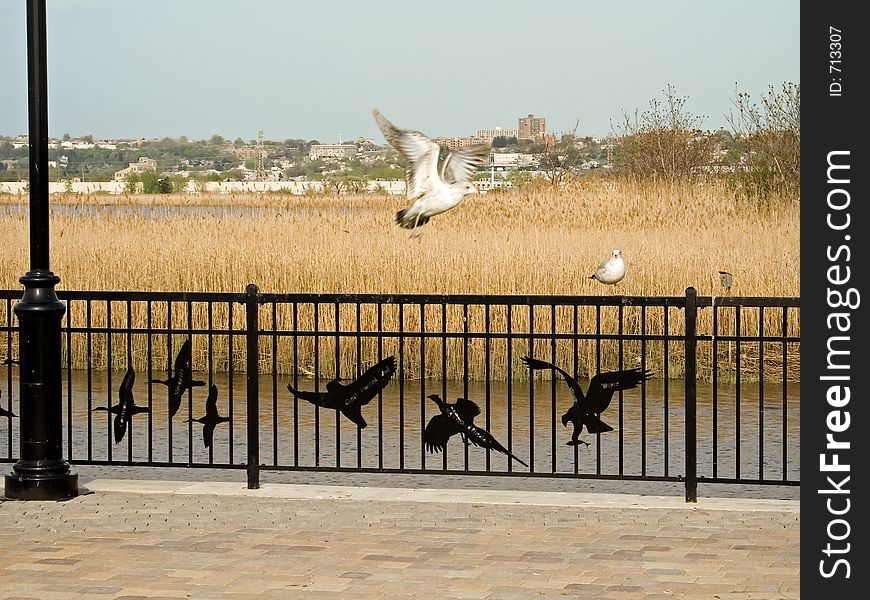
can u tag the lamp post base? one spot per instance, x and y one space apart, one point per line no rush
59 486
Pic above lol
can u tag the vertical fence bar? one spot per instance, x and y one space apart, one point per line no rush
89 340
230 370
619 361
553 389
274 383
531 394
715 384
69 402
423 384
597 371
295 384
338 377
109 441
190 387
487 376
465 364
784 394
148 355
665 390
760 393
691 342
169 373
401 387
737 444
253 383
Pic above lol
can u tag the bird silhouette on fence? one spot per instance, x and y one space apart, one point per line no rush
432 190
587 408
180 378
126 407
211 419
349 399
459 418
4 412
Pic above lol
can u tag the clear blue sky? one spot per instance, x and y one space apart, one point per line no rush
312 70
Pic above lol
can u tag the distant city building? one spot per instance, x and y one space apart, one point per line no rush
490 134
333 151
512 159
144 164
531 128
459 142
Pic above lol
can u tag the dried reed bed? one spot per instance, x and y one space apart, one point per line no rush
536 241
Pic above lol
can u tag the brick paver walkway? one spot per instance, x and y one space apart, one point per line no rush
174 540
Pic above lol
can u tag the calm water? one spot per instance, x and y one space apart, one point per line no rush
648 429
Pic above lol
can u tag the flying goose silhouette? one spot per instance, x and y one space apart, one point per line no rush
126 407
432 190
349 399
211 418
459 418
180 379
587 408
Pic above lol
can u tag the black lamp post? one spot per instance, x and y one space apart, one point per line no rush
41 473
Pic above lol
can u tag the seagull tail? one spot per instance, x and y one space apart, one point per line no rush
407 220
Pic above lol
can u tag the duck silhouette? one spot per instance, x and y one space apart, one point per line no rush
180 379
459 418
211 418
349 399
126 407
587 408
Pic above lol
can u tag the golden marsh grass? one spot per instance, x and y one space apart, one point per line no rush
535 241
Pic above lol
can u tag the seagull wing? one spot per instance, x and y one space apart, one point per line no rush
461 164
420 152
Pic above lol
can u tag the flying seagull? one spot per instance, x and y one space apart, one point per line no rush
126 406
4 412
459 418
433 190
587 409
211 418
349 399
611 270
180 379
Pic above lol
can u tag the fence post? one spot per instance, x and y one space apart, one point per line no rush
691 407
253 385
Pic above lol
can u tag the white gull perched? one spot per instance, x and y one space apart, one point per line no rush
612 270
432 191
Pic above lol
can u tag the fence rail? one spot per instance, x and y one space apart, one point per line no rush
721 404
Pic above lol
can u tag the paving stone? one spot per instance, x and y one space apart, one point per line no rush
238 548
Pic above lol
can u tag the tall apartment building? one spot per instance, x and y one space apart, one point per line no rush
531 128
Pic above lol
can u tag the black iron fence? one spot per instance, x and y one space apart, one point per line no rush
714 396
